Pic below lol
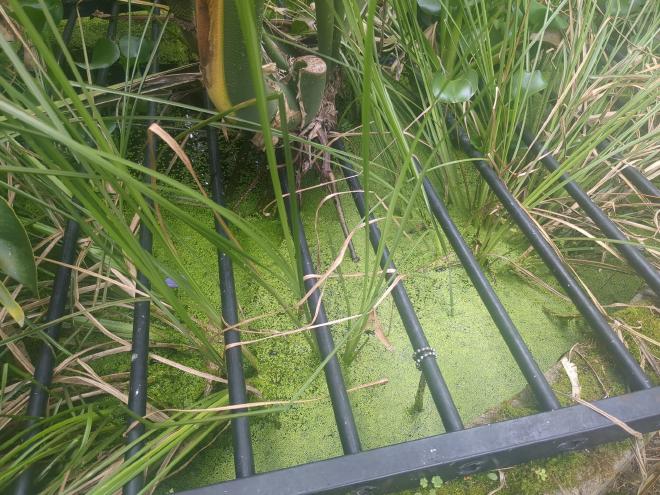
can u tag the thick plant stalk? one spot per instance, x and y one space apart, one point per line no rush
293 114
275 53
328 13
311 86
336 37
325 26
223 55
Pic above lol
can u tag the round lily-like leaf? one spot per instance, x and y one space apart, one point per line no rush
134 47
430 7
538 13
105 53
456 90
622 6
302 26
13 308
529 82
35 11
16 258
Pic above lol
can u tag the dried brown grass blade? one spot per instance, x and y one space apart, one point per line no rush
572 373
378 330
251 405
613 419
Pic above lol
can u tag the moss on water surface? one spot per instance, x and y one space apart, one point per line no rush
475 362
472 355
173 49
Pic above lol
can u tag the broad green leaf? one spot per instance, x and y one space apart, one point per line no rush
622 6
134 47
502 29
16 258
493 476
529 82
12 307
430 7
105 53
456 90
35 11
301 25
538 15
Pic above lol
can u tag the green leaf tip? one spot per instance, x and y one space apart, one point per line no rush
430 7
105 53
456 90
16 258
12 307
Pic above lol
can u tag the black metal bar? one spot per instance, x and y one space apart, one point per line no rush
341 404
533 374
632 254
451 455
638 179
423 353
243 458
68 30
102 76
630 172
43 372
633 373
137 390
643 185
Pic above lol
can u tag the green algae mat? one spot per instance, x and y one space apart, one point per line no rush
473 357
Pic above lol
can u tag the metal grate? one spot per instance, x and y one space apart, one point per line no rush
458 452
462 451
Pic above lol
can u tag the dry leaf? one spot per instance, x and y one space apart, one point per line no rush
571 371
374 321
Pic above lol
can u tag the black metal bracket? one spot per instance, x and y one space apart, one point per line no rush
456 454
421 354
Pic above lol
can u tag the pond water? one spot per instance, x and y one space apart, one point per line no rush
473 358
